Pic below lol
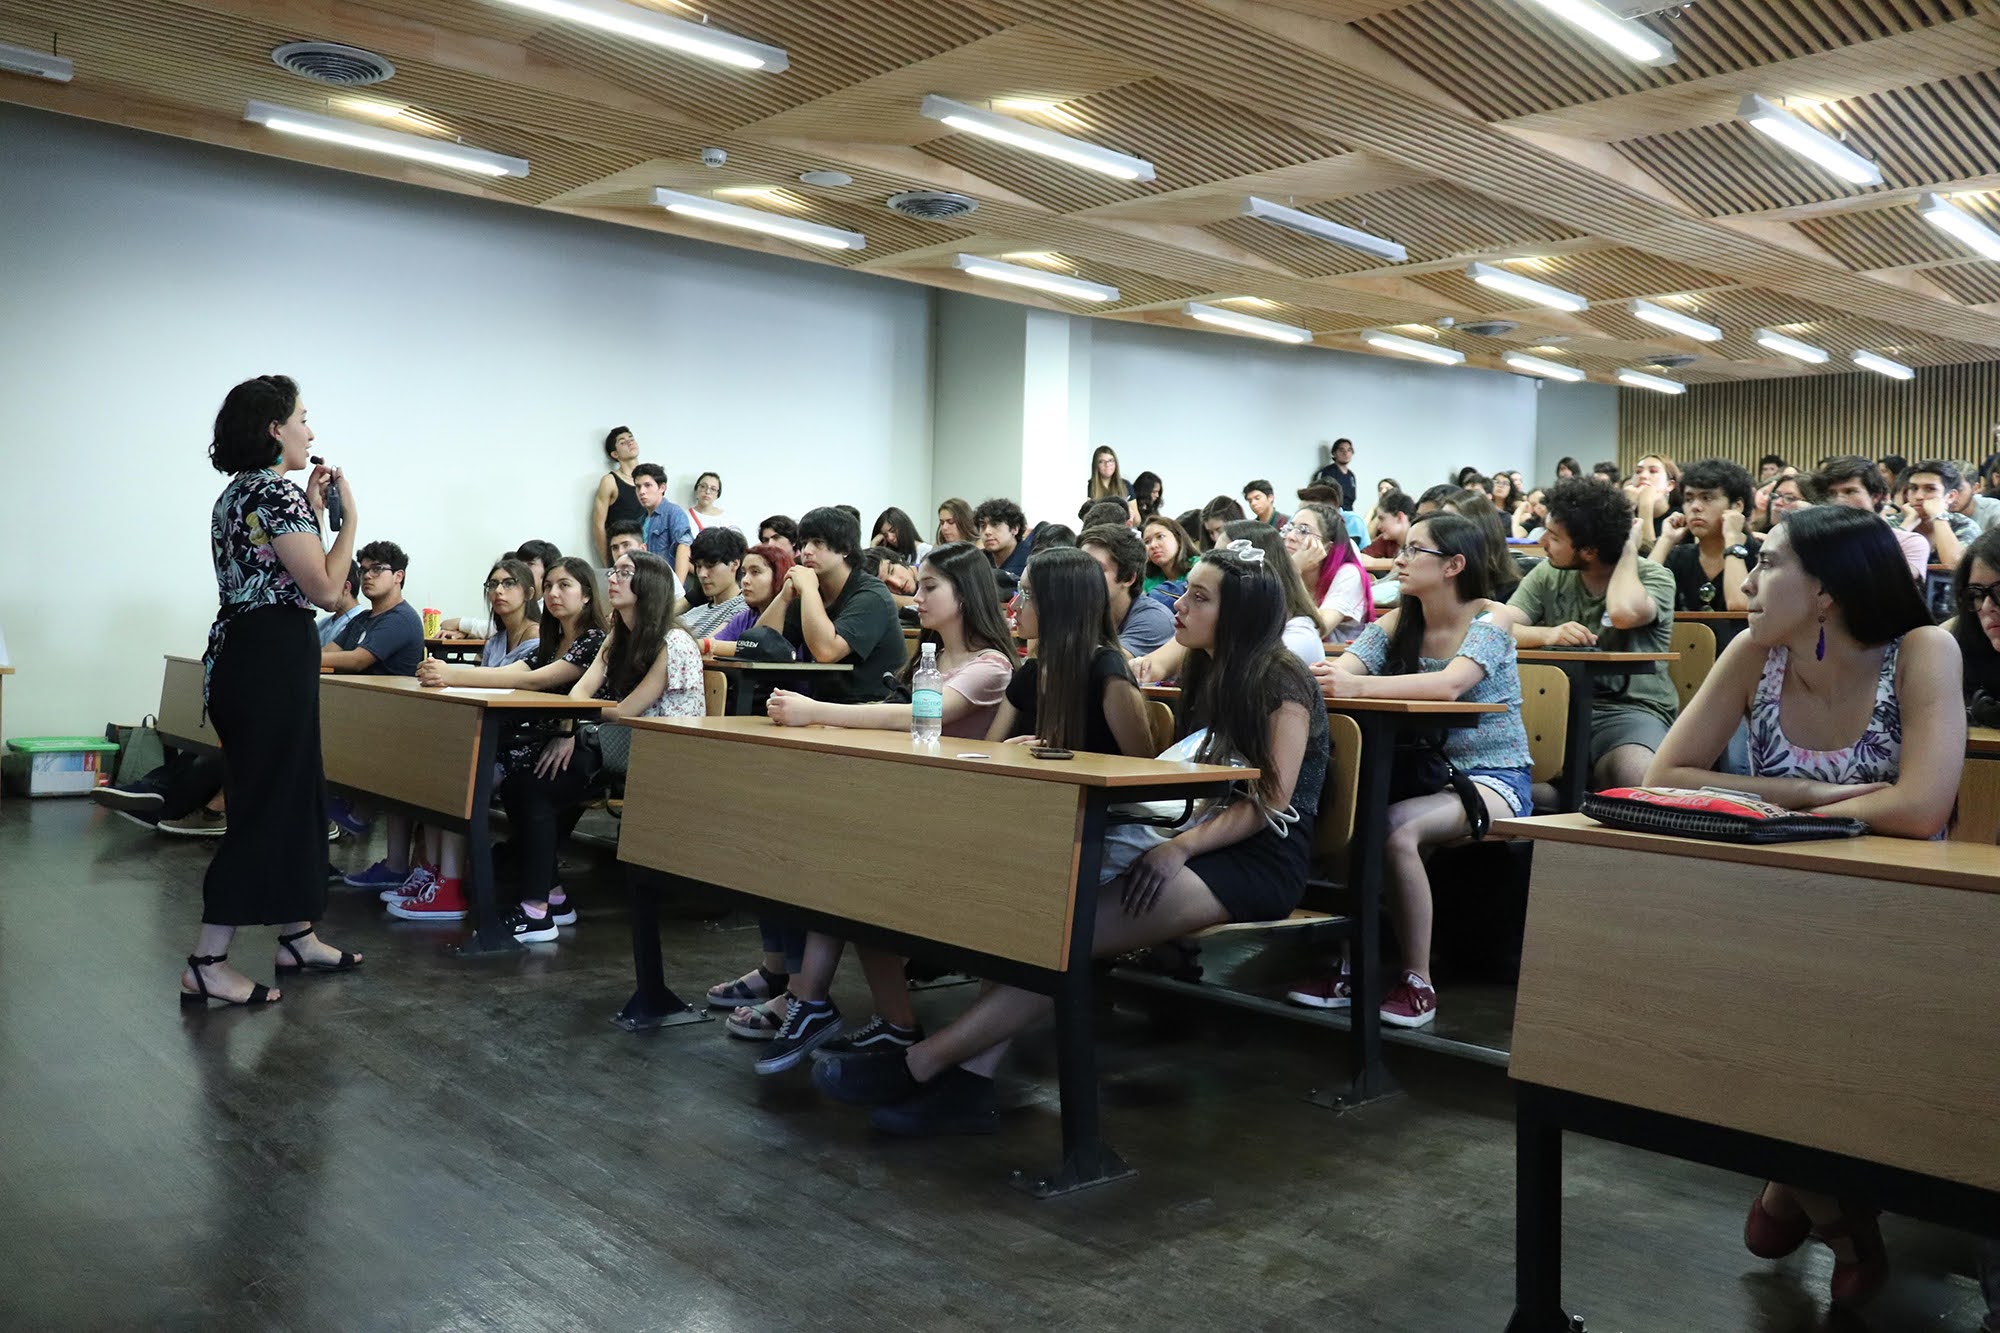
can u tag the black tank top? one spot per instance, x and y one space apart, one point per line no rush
626 505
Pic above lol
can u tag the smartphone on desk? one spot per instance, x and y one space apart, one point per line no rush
1050 752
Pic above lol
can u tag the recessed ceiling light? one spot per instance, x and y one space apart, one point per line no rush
1250 324
1632 40
1539 293
1639 379
1076 289
1019 134
1882 365
374 139
758 220
1307 224
1392 342
1675 320
657 29
1792 347
1548 370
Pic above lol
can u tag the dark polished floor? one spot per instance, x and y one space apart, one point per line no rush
432 1144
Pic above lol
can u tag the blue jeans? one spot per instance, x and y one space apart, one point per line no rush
787 941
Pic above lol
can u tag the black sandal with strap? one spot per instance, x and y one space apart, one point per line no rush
259 993
348 962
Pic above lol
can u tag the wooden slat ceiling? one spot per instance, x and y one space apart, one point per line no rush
1465 129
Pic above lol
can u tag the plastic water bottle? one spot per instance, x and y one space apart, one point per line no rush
927 699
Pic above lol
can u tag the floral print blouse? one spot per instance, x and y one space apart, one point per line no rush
254 508
1876 757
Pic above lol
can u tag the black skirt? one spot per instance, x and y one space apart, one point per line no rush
1261 878
270 867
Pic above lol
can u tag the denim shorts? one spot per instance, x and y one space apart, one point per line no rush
1511 783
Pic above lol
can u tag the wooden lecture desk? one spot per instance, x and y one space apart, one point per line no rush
1821 1013
427 753
1584 666
456 650
1382 722
829 861
1979 789
1726 624
743 674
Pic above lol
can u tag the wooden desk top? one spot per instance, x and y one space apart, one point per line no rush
1983 741
746 664
6 671
1440 707
1712 616
1945 865
1085 770
1590 657
511 700
454 641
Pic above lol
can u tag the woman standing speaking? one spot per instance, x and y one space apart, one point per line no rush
261 686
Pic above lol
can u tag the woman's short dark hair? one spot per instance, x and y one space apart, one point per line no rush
242 441
834 528
1395 502
1856 559
1575 468
1595 517
704 477
611 438
717 546
1719 474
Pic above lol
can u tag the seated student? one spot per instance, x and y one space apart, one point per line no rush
1434 500
1595 591
836 612
1855 483
894 530
346 610
1975 589
572 628
1841 674
1394 512
1530 513
1217 514
718 553
1503 572
1438 644
764 570
1607 473
1342 593
1300 632
624 535
898 575
537 556
1046 535
779 530
1245 860
1929 514
954 523
1002 528
1098 513
1148 490
1190 523
389 640
1477 482
1143 623
668 532
540 557
1170 554
958 605
510 600
1263 503
1787 493
1706 546
651 666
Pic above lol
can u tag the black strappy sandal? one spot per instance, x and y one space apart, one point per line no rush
259 993
348 962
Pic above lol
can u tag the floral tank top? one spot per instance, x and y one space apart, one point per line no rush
1876 757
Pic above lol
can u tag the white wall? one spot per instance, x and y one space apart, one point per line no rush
979 362
461 359
1209 413
1577 421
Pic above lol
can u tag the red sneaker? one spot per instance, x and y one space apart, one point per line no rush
1771 1237
1410 1003
439 900
1333 991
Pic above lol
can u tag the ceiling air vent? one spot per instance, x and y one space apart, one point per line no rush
1491 328
931 205
330 62
1672 360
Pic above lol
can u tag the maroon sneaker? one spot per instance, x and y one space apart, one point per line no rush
1335 990
1771 1237
1410 1003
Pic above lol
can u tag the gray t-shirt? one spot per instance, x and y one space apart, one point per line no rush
396 637
1148 625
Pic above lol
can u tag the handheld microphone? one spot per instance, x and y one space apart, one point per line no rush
336 517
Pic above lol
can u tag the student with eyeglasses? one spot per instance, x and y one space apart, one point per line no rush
1323 553
1975 590
389 640
706 512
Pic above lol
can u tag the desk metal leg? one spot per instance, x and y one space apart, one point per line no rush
1370 1079
740 702
487 935
1087 1159
1537 1220
1576 741
653 1004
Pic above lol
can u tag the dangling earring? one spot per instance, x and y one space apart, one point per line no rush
1819 654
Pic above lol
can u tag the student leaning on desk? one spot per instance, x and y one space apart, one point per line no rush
1840 672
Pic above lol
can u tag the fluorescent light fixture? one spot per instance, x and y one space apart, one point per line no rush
415 147
1548 370
1882 365
1538 293
1941 213
1816 146
1675 320
1632 40
1423 351
1019 134
1250 324
757 219
1306 223
1639 379
24 60
1791 347
651 26
1076 289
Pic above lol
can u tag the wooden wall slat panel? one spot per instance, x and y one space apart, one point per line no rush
1945 412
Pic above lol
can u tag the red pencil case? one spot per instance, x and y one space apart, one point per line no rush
1713 813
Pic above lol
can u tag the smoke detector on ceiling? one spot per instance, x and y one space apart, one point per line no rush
828 179
931 205
1491 328
331 62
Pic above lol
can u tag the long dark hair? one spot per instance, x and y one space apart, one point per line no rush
592 617
1185 549
901 528
1234 687
1502 574
629 656
242 438
517 569
1982 660
1453 534
970 574
1147 492
1298 602
1857 561
1074 613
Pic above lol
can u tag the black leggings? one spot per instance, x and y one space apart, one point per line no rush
541 809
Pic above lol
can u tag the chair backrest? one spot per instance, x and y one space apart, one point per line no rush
1545 714
1160 720
715 692
1696 644
1333 834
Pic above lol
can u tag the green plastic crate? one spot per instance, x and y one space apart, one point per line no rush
57 765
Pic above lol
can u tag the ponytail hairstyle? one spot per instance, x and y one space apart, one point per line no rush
594 616
970 574
1234 688
1455 535
1074 612
629 656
